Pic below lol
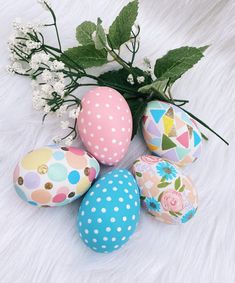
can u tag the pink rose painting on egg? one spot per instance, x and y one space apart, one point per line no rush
172 201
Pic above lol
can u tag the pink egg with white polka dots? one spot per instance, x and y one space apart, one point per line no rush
105 124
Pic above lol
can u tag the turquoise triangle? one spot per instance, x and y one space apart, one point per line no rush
182 152
157 114
197 138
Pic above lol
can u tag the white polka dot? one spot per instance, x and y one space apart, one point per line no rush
96 147
89 143
118 107
108 198
116 246
104 190
89 221
136 191
98 199
97 105
113 239
89 112
128 206
87 202
110 96
86 231
126 191
86 241
123 118
114 141
112 219
129 129
107 105
123 238
110 117
102 139
110 182
88 101
102 156
93 209
82 120
98 116
92 135
129 228
94 240
120 182
116 208
124 218
130 196
123 129
103 246
96 231
125 176
133 217
103 210
113 129
84 131
82 213
99 127
105 238
97 94
130 184
115 189
120 143
115 154
136 203
80 223
105 149
97 186
99 220
120 199
108 229
89 124
119 229
123 149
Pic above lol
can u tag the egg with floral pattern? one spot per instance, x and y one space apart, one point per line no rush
171 133
105 124
166 193
109 212
54 176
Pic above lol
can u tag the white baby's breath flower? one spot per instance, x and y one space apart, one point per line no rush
130 79
57 65
59 88
73 114
34 84
68 141
33 45
38 101
47 90
56 140
62 110
46 76
47 109
140 79
64 125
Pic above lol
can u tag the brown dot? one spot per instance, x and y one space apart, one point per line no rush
42 169
64 148
45 205
72 194
48 186
20 181
87 171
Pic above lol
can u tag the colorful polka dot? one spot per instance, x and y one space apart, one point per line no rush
74 177
57 172
31 180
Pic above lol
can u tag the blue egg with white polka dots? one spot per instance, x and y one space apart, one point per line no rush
109 212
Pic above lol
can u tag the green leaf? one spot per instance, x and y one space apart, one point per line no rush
176 62
182 188
87 56
137 107
163 179
160 196
172 213
157 86
142 197
177 183
138 174
84 33
163 185
203 48
100 37
120 30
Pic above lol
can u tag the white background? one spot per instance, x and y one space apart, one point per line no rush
42 245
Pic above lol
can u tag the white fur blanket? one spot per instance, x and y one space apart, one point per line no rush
42 245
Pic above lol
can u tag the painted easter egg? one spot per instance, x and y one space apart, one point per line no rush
109 212
171 133
105 124
166 193
54 176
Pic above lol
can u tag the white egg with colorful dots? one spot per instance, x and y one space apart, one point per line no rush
54 176
109 212
165 192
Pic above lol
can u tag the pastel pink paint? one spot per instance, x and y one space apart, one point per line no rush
76 151
105 124
92 174
59 198
16 173
63 190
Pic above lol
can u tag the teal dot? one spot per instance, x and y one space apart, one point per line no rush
58 155
32 203
57 172
74 177
20 193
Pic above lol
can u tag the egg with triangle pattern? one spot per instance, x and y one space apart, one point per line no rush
171 133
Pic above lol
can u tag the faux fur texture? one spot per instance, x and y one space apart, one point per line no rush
42 245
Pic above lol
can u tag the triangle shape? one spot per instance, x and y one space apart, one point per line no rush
152 129
171 155
183 139
172 132
157 114
167 143
182 152
178 123
170 113
197 138
168 123
156 142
